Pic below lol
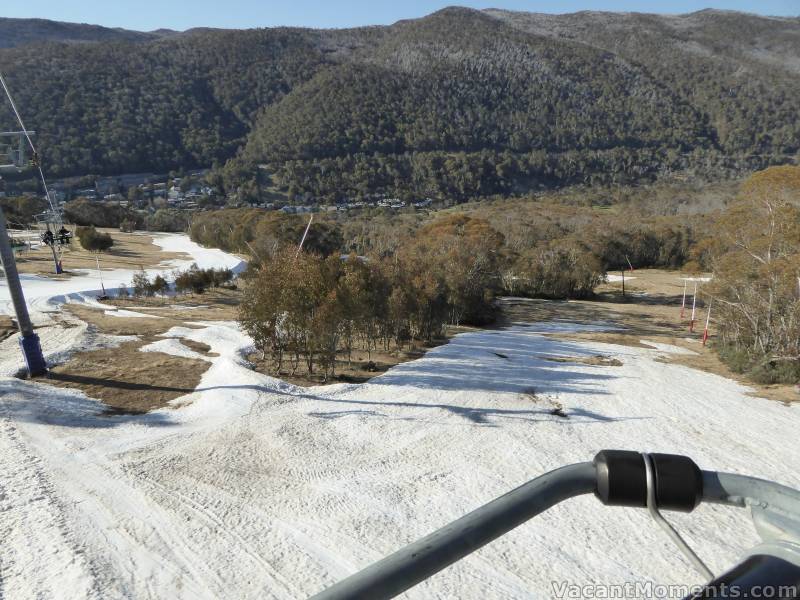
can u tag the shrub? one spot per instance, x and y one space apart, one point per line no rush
141 284
93 240
771 372
159 285
199 280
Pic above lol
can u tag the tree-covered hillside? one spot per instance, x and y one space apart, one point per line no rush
120 107
18 32
458 104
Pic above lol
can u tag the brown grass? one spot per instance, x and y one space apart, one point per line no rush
127 380
7 327
597 360
130 381
217 304
198 347
130 251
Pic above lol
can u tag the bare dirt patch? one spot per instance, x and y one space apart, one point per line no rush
141 326
361 367
216 304
597 360
130 381
198 347
127 380
7 327
130 251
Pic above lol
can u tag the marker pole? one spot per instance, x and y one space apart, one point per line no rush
694 309
99 272
708 320
305 233
683 302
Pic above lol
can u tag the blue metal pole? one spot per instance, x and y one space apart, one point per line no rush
29 340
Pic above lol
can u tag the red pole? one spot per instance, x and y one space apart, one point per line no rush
694 307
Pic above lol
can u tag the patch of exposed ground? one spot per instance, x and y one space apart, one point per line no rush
7 327
141 326
556 408
127 380
198 347
650 311
597 360
130 251
130 381
217 304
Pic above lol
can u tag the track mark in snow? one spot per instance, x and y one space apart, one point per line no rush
38 557
222 530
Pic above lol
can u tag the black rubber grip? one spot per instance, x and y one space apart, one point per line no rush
622 480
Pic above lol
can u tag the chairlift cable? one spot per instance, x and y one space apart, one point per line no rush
36 160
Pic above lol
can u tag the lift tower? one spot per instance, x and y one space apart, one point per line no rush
29 340
13 153
14 160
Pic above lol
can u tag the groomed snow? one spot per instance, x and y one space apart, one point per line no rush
254 488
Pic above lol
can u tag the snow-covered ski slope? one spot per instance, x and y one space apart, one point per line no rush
45 296
253 488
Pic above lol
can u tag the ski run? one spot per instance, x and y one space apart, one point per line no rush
254 488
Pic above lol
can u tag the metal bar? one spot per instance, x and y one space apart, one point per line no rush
741 490
672 533
418 561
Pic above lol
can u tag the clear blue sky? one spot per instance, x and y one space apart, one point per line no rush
147 15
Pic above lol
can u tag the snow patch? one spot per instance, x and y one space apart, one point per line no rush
129 314
45 295
173 347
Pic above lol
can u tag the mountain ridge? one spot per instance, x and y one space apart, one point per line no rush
16 32
458 103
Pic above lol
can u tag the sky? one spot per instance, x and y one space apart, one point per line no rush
146 15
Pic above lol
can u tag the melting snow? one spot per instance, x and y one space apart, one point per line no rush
250 487
256 488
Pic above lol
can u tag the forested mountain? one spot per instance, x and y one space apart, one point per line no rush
18 32
457 104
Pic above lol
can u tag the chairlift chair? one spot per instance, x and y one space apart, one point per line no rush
617 478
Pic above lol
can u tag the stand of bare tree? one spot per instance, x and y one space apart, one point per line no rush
305 309
754 253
